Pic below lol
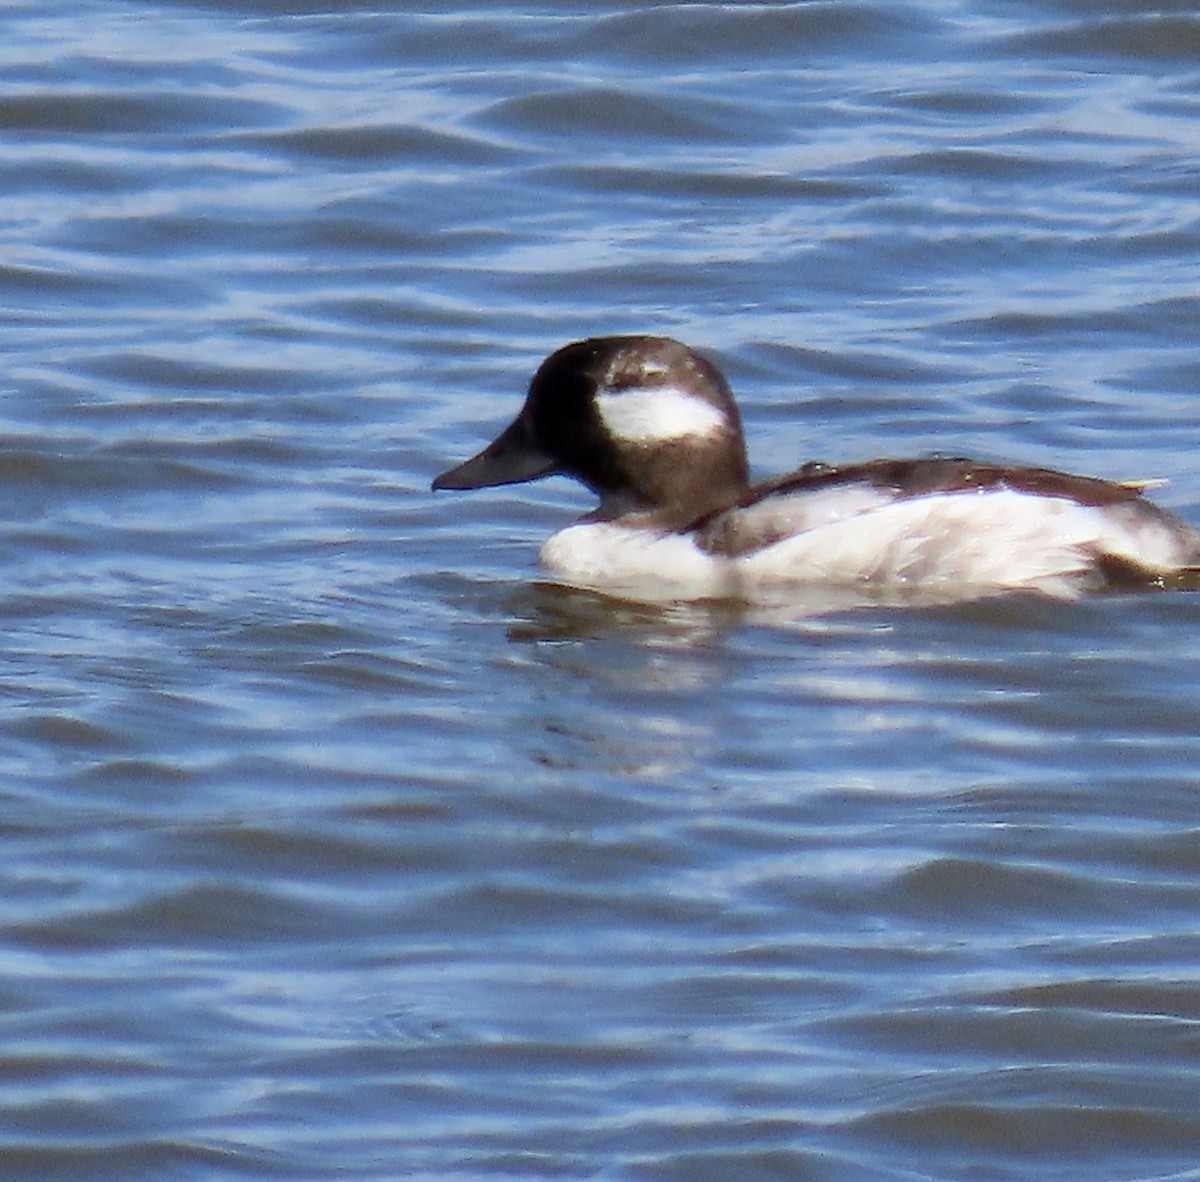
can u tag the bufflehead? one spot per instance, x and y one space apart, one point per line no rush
651 427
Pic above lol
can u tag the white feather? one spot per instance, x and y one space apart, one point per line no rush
995 540
946 545
787 514
657 414
639 564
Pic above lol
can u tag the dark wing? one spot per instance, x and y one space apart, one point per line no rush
937 474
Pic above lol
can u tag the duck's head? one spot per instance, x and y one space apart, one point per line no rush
646 423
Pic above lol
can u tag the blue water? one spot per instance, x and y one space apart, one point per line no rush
340 845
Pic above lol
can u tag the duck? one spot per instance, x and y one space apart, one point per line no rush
650 426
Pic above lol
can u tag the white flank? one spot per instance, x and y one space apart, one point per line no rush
637 564
1000 539
943 547
657 414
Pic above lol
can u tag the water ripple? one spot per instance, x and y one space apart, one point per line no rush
339 843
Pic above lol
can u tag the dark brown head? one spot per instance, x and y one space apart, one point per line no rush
646 423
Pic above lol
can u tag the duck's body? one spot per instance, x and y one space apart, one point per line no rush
652 428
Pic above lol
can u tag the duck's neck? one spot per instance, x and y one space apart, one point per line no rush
674 514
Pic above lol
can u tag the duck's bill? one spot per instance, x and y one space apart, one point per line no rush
509 459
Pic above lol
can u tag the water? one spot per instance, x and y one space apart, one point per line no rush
336 843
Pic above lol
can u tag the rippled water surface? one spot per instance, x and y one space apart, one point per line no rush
337 844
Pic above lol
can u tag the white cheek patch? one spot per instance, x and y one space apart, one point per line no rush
657 414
